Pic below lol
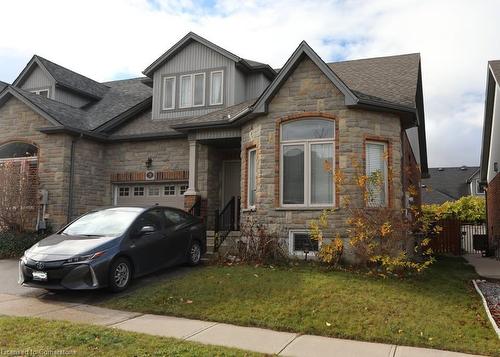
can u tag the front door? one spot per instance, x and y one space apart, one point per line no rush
231 181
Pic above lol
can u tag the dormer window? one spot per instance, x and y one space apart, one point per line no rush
42 92
216 87
192 90
168 93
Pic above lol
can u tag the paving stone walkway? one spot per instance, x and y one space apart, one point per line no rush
246 338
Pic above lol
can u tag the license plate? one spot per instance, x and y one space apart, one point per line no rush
39 275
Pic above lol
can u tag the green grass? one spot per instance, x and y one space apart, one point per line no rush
437 310
41 337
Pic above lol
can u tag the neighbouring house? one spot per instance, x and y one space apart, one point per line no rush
490 151
221 136
450 184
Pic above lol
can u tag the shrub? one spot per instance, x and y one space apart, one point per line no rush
467 209
381 238
13 244
258 244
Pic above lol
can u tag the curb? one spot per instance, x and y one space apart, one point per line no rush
493 323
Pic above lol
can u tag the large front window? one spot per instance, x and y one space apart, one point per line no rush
307 151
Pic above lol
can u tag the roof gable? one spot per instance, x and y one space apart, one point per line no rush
12 92
246 64
63 77
302 50
179 46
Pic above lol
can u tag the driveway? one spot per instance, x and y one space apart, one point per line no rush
9 274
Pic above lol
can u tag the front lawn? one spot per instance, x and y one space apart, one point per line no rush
35 337
437 310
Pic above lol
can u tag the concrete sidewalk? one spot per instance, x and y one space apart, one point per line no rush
246 338
485 267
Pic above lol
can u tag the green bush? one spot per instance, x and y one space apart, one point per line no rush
13 244
467 209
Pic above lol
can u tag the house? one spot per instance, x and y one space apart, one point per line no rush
220 135
450 184
490 151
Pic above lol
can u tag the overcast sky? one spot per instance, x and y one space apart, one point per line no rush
112 39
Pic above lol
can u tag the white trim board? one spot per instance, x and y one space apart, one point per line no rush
488 313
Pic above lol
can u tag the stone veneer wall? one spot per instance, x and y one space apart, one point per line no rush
308 90
91 177
19 122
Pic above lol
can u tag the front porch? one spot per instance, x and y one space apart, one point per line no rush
214 191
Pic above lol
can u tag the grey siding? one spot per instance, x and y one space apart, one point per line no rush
239 87
38 79
255 85
192 58
67 97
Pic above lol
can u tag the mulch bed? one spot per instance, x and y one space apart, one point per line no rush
491 292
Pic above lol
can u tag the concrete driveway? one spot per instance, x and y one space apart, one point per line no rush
9 285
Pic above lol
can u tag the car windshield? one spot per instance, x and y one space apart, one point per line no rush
107 223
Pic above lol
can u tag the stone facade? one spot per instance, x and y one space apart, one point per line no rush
20 123
308 92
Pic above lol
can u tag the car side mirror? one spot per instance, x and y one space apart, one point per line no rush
146 230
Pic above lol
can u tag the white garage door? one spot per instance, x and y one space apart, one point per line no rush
168 194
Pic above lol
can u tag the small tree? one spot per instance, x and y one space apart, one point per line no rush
18 196
382 238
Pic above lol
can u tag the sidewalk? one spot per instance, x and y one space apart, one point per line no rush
485 267
246 338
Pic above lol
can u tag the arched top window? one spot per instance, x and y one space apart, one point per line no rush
18 150
308 129
307 162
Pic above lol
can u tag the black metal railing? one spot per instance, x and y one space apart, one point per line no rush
225 222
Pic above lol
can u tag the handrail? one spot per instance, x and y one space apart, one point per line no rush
224 222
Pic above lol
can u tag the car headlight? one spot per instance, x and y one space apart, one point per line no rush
84 258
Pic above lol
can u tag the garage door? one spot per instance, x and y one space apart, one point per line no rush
169 194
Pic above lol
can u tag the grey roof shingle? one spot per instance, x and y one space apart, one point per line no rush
120 97
392 79
219 116
73 80
65 114
3 85
447 184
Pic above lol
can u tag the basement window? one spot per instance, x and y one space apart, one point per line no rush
300 241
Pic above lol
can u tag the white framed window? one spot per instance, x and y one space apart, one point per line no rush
199 90
42 92
300 241
377 173
124 191
216 87
306 163
168 100
192 90
251 177
169 190
153 191
139 191
182 189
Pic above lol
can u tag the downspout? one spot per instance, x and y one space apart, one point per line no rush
71 177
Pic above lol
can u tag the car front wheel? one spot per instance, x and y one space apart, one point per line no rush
120 275
194 253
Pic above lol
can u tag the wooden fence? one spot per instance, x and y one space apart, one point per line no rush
456 237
